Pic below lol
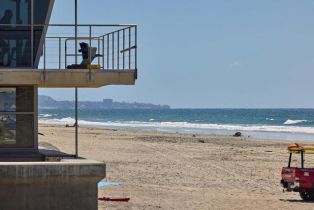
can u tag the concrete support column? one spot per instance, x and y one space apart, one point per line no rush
66 185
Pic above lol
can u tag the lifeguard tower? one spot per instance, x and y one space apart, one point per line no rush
34 54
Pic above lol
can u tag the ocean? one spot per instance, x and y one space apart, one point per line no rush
292 124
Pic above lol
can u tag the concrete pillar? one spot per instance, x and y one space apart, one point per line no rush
65 185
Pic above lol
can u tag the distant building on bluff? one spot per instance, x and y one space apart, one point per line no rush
46 102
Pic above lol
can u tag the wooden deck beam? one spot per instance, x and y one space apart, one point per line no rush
66 78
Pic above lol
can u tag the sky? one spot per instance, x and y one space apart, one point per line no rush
209 53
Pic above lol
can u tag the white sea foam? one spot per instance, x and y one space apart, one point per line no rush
181 126
62 121
292 122
271 119
45 115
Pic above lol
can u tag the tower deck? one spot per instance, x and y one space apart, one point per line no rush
107 55
67 78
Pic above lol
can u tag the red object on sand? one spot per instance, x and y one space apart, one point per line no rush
299 177
114 199
293 146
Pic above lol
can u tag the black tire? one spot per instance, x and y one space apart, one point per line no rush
307 195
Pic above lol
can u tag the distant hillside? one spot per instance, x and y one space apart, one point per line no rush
47 102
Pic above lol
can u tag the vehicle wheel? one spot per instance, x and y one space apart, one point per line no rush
307 195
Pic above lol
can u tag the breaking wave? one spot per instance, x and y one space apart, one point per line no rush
45 115
293 122
182 126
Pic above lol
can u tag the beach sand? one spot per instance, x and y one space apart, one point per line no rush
182 171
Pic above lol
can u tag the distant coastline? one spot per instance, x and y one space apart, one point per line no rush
47 102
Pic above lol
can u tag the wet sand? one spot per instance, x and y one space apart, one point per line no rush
181 171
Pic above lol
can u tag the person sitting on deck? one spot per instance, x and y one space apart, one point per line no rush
88 55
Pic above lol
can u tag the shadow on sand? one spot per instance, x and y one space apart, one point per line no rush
295 201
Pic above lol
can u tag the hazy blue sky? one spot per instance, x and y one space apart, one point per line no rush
209 53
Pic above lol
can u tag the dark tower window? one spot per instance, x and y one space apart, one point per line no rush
7 122
15 40
17 117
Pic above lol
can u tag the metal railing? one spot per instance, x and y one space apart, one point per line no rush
116 45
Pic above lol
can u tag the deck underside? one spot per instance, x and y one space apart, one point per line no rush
66 78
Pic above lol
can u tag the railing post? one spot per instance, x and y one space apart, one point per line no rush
107 51
118 48
90 58
98 42
59 53
112 50
103 52
123 49
130 47
136 49
65 53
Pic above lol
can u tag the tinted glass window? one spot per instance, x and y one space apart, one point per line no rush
7 130
7 99
15 41
17 117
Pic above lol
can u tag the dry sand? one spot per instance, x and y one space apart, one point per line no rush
179 171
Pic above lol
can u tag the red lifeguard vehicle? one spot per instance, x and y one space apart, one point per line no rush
299 178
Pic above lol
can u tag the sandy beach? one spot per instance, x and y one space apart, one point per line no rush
183 171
